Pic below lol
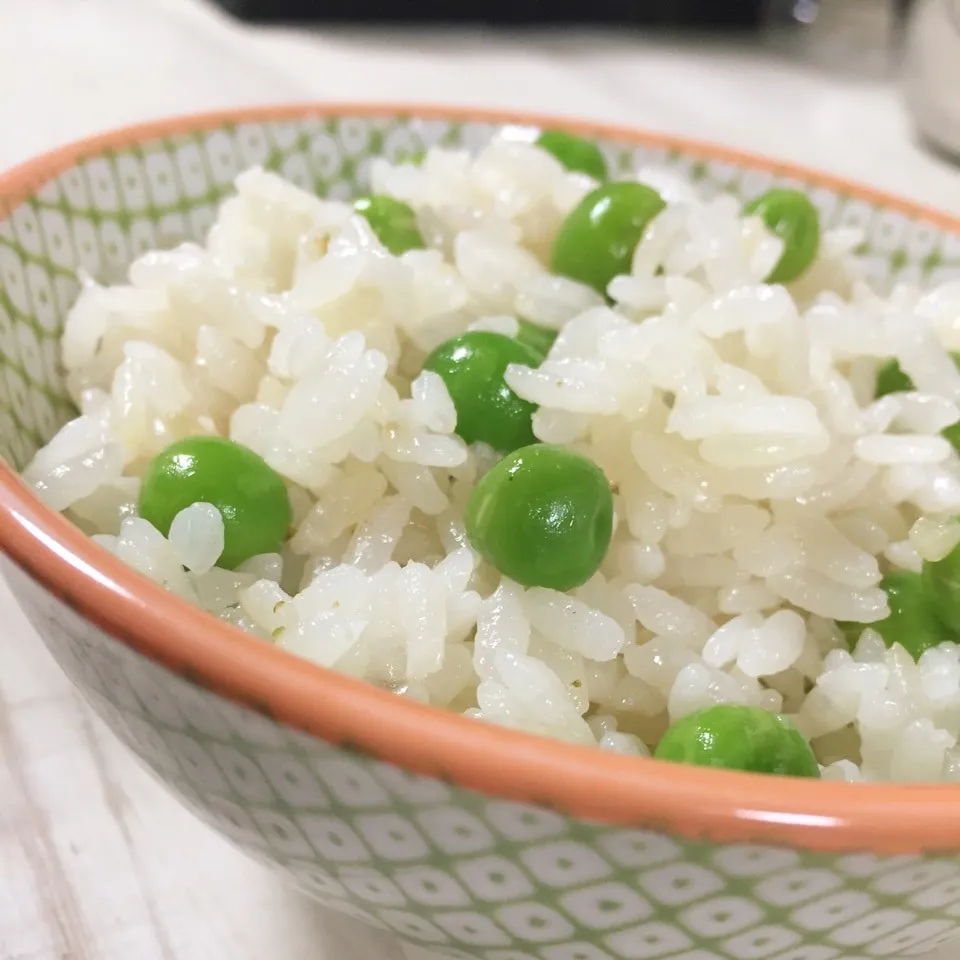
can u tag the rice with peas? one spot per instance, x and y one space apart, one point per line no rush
760 491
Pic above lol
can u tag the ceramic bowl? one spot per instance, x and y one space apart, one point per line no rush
458 836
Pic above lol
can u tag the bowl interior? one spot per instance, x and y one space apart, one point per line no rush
95 207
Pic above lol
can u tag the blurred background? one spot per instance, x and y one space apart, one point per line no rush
839 84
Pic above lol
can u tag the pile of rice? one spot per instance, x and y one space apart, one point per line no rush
761 491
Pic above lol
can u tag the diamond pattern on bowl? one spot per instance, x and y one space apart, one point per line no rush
433 887
445 868
605 906
680 883
441 866
721 917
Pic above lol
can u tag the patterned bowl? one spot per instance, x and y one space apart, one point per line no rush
460 837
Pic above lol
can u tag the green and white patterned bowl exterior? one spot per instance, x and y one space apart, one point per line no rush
442 867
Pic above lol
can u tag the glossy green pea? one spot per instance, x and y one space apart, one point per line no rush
732 737
913 621
792 217
941 585
543 516
393 221
595 242
534 337
575 153
249 494
488 411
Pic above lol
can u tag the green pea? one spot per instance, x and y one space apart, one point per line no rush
536 338
575 153
792 217
488 411
892 379
543 516
941 585
393 221
732 737
596 241
952 435
913 621
249 494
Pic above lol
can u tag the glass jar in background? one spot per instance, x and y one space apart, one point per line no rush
859 39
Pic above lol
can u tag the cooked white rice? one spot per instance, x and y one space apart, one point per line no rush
760 488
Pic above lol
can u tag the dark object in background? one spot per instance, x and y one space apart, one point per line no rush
707 14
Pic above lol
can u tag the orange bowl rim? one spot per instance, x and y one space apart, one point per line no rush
586 783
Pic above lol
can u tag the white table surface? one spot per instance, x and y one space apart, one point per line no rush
96 862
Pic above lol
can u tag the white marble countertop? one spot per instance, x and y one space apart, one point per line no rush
97 862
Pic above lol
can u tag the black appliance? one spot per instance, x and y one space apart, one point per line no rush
706 14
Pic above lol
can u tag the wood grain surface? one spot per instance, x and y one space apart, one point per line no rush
97 862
